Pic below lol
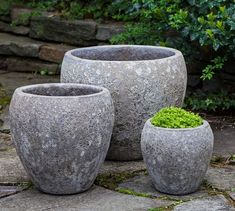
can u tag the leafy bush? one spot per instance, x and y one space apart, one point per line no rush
173 117
202 30
201 101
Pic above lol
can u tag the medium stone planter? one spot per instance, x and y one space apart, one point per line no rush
177 159
141 79
62 133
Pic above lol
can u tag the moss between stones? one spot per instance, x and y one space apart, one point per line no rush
4 99
111 180
26 185
131 192
167 208
173 117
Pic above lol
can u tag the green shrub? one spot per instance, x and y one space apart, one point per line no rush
202 101
203 30
173 117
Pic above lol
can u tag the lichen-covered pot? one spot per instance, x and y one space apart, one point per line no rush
141 80
62 134
177 159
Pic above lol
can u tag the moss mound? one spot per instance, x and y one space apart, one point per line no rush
173 117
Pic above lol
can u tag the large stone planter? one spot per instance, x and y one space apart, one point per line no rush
141 79
62 133
177 159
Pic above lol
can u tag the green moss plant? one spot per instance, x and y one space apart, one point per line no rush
173 117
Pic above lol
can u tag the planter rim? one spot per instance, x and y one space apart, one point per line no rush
100 90
205 123
175 51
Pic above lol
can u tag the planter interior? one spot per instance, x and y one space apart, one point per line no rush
62 90
123 53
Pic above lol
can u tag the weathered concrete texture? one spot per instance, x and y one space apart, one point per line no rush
96 199
18 64
136 77
55 29
8 190
63 136
213 203
143 184
177 159
106 31
18 46
221 178
54 52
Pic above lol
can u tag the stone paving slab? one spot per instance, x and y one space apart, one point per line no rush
232 195
9 190
11 169
5 142
143 184
224 142
213 203
12 80
120 167
96 199
221 178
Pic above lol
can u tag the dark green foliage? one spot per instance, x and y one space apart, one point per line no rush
202 30
5 6
201 101
173 117
24 18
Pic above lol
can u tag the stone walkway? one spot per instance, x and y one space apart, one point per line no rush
120 186
126 186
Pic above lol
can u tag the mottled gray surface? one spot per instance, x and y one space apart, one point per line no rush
221 178
96 199
63 135
143 184
177 159
213 203
141 79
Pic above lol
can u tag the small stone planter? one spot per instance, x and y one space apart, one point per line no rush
62 133
177 159
141 80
